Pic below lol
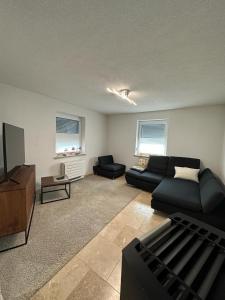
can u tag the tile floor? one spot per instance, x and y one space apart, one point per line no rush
94 273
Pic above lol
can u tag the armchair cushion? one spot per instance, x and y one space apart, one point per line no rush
113 167
105 160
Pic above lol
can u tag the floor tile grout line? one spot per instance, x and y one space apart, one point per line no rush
86 263
107 283
113 287
114 268
90 268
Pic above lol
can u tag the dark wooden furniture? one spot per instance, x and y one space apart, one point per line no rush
17 202
51 182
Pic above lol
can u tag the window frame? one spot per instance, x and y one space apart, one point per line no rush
138 133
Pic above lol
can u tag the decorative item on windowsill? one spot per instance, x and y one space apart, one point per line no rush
142 162
69 153
141 165
78 150
138 168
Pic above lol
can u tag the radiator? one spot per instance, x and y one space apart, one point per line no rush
183 259
74 169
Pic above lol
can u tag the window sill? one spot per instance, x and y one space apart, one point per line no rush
142 155
67 155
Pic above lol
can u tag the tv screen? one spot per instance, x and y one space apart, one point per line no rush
13 147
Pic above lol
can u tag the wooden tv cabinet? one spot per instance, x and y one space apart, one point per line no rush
17 199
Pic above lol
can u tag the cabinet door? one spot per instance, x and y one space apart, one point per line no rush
12 212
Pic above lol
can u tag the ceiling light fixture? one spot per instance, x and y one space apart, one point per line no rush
122 94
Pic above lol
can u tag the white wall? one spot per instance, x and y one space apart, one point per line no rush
192 132
36 114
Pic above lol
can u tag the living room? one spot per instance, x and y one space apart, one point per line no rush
135 80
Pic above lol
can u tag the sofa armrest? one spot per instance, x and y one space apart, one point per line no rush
212 194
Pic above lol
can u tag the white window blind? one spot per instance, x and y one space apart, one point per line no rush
68 126
68 133
151 137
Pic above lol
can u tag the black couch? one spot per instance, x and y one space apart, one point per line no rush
158 168
106 167
204 200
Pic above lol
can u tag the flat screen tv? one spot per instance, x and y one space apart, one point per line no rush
13 147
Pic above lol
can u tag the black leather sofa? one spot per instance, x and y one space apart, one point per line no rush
158 168
106 167
204 200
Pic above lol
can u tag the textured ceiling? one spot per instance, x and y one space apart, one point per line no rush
169 53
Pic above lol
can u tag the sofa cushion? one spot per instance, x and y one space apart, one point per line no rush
133 173
145 176
113 167
105 160
158 164
175 161
212 193
151 177
179 192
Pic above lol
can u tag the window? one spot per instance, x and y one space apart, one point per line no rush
67 126
68 133
151 137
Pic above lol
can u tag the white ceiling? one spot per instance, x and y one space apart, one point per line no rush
171 53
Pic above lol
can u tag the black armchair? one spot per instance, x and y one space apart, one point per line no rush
106 167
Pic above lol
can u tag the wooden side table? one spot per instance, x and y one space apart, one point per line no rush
47 182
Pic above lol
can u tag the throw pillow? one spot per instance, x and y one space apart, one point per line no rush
187 173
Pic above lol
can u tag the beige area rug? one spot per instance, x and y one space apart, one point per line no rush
59 230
